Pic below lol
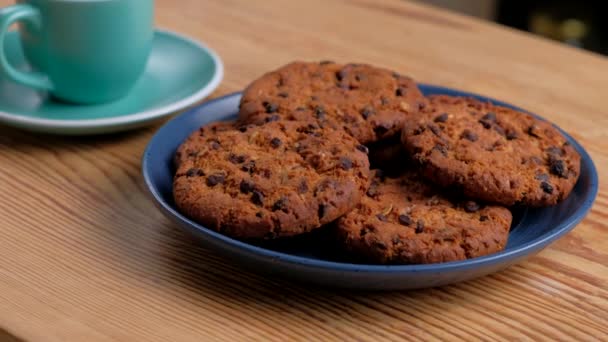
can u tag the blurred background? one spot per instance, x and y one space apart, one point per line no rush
577 23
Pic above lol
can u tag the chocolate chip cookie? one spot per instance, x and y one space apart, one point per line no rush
370 103
404 220
492 153
279 179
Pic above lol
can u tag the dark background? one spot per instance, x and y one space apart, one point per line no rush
581 24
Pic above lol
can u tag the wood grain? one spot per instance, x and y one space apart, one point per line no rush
85 256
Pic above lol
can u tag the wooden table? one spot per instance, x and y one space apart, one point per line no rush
85 256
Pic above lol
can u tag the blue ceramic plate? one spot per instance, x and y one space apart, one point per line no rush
301 259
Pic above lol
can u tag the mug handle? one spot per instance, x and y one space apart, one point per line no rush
8 16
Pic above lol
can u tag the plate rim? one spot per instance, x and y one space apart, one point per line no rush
135 117
491 259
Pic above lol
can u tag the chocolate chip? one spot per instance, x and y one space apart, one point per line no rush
367 111
373 189
384 101
500 130
400 91
469 135
558 151
215 144
542 177
534 131
559 168
243 129
302 187
257 198
248 166
326 62
246 186
275 142
483 218
363 149
283 94
471 206
270 107
487 120
215 179
321 211
548 188
419 226
435 129
237 159
442 149
320 112
259 214
280 204
382 217
497 144
272 118
346 163
194 172
379 245
418 130
511 135
490 116
192 154
340 75
486 124
405 220
308 129
441 118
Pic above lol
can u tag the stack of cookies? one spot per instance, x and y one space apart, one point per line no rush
444 170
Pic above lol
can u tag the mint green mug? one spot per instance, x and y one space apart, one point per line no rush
82 51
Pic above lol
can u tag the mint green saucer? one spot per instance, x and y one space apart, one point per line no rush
180 72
